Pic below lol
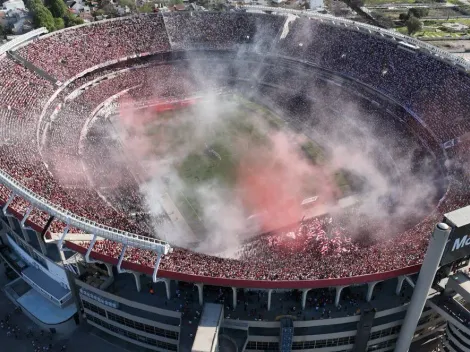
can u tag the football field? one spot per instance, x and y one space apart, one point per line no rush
212 162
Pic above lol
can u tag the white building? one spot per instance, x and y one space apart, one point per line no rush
315 4
13 5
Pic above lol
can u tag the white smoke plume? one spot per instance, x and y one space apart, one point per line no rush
270 180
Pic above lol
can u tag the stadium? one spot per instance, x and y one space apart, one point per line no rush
280 170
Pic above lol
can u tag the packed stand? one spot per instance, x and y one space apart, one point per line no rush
222 30
22 96
67 53
274 257
282 255
434 90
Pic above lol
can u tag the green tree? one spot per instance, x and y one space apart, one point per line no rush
129 3
109 10
403 16
413 25
356 3
98 12
383 20
72 20
42 17
418 12
147 7
58 8
59 23
176 2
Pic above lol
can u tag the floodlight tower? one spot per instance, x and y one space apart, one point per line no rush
426 276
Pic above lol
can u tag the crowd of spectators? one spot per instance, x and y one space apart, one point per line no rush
67 53
429 82
315 250
222 31
435 91
23 93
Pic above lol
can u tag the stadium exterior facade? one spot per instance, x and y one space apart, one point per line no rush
27 245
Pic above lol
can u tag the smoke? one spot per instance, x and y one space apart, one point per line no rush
270 178
262 176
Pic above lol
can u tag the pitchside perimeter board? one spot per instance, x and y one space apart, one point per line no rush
458 245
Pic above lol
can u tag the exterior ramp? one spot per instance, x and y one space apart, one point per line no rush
207 335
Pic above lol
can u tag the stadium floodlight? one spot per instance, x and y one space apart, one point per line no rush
426 276
89 226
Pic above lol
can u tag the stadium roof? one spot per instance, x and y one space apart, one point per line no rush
459 217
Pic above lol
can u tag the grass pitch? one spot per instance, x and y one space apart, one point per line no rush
215 160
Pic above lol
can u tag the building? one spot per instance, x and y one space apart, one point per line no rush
129 306
18 20
317 4
13 5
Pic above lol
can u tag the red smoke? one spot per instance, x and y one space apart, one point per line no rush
265 192
273 182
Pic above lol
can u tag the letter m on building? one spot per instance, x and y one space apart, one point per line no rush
460 242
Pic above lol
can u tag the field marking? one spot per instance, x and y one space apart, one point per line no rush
174 214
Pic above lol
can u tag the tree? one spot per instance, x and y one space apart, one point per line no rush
98 12
356 3
42 17
418 12
413 25
147 7
59 23
109 10
58 8
72 20
129 3
383 20
403 16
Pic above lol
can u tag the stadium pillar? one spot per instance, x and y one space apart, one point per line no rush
25 235
75 295
137 281
200 289
370 290
234 301
400 284
109 267
11 224
304 297
3 232
269 299
61 253
42 245
426 276
167 287
339 289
